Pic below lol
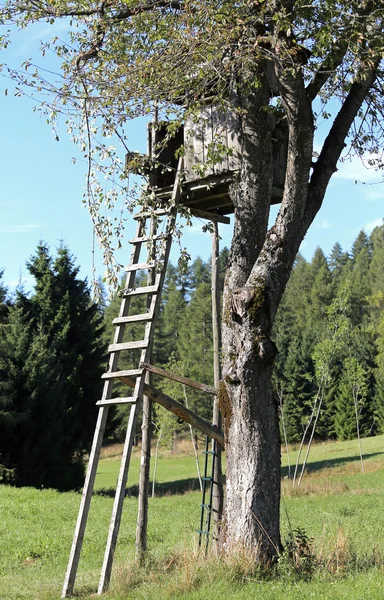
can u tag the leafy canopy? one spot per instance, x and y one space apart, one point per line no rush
121 59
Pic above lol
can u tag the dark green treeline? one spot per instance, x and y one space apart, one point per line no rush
329 371
51 360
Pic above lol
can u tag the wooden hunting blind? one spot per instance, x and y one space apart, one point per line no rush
199 180
212 155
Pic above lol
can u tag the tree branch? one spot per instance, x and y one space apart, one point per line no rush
333 146
326 69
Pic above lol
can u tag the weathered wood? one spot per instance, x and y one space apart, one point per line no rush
140 291
138 385
133 319
217 483
117 509
98 438
210 216
158 212
147 238
184 380
139 345
145 459
117 374
139 267
112 401
179 410
216 127
85 503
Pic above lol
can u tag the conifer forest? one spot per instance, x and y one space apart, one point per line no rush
328 375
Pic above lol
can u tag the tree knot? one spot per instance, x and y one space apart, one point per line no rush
267 349
241 300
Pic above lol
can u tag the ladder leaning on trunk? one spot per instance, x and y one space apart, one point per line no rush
156 268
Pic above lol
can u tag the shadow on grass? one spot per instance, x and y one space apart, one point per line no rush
312 467
182 486
169 488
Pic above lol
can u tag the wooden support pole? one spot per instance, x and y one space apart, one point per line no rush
217 484
145 462
179 410
179 378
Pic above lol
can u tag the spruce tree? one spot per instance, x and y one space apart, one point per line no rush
51 369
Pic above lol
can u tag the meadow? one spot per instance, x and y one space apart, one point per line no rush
333 525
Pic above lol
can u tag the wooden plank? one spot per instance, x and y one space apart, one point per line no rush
117 374
219 135
180 379
140 291
217 483
85 504
144 214
146 430
179 410
117 509
128 346
139 267
112 401
133 319
214 217
148 238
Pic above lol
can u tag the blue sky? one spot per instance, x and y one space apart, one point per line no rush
41 191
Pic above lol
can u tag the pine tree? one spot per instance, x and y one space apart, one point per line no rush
51 369
337 261
376 268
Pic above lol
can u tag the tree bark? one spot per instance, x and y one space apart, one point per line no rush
246 401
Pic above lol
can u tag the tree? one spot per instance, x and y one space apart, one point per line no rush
51 361
254 58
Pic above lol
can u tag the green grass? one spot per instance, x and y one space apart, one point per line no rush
337 505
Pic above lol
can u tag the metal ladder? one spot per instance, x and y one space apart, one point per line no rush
156 271
206 507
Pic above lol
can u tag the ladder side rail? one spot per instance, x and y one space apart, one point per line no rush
117 509
86 497
82 518
123 474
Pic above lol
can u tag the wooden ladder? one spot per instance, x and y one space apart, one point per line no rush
156 276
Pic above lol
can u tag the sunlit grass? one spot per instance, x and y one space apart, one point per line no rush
338 508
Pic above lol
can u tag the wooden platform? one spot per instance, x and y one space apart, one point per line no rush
211 194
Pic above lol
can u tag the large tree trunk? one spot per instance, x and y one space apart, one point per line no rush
253 465
246 398
259 265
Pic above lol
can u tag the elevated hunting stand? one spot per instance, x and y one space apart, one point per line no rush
177 183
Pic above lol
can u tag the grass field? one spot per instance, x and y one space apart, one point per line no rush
337 506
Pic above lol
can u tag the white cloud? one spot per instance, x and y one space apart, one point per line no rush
19 228
369 227
372 195
359 169
324 224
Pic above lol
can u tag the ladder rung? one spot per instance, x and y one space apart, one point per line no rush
148 238
133 319
159 212
141 344
206 479
112 401
117 374
207 506
140 291
139 267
